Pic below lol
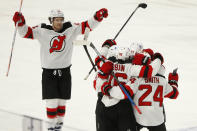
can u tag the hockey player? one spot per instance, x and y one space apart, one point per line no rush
113 114
149 94
56 51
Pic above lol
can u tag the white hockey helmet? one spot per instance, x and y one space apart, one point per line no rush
135 48
112 51
123 53
55 13
162 70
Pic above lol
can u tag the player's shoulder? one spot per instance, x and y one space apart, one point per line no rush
45 26
162 78
74 23
66 25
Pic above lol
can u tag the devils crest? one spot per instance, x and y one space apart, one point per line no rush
57 44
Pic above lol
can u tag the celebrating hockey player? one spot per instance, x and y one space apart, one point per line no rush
113 114
149 94
56 43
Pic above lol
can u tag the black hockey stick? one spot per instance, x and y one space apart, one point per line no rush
120 85
88 54
86 49
174 71
141 5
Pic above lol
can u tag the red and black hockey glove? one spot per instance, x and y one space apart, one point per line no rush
98 61
102 13
106 69
149 51
108 43
105 88
173 79
18 17
159 56
140 59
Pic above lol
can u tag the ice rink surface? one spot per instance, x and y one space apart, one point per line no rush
166 26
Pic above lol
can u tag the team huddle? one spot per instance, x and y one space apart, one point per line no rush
141 71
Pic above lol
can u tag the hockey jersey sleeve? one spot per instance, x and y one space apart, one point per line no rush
171 91
98 82
26 31
80 28
131 88
145 71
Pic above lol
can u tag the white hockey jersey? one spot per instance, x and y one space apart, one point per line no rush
56 47
148 96
124 72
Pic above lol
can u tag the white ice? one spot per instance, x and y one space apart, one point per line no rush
167 26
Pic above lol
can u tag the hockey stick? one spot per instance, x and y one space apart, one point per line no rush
141 5
13 41
86 49
174 71
120 85
89 72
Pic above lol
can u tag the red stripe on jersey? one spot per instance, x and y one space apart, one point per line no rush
82 27
29 33
150 70
128 88
102 87
169 94
146 71
85 25
174 94
142 71
94 84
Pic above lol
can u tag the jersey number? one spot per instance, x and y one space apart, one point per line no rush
158 95
118 75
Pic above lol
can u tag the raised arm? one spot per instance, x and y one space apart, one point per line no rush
102 78
171 90
92 23
24 30
147 71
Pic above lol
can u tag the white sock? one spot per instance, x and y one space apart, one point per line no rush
51 108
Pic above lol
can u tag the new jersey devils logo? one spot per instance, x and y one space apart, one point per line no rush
57 44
